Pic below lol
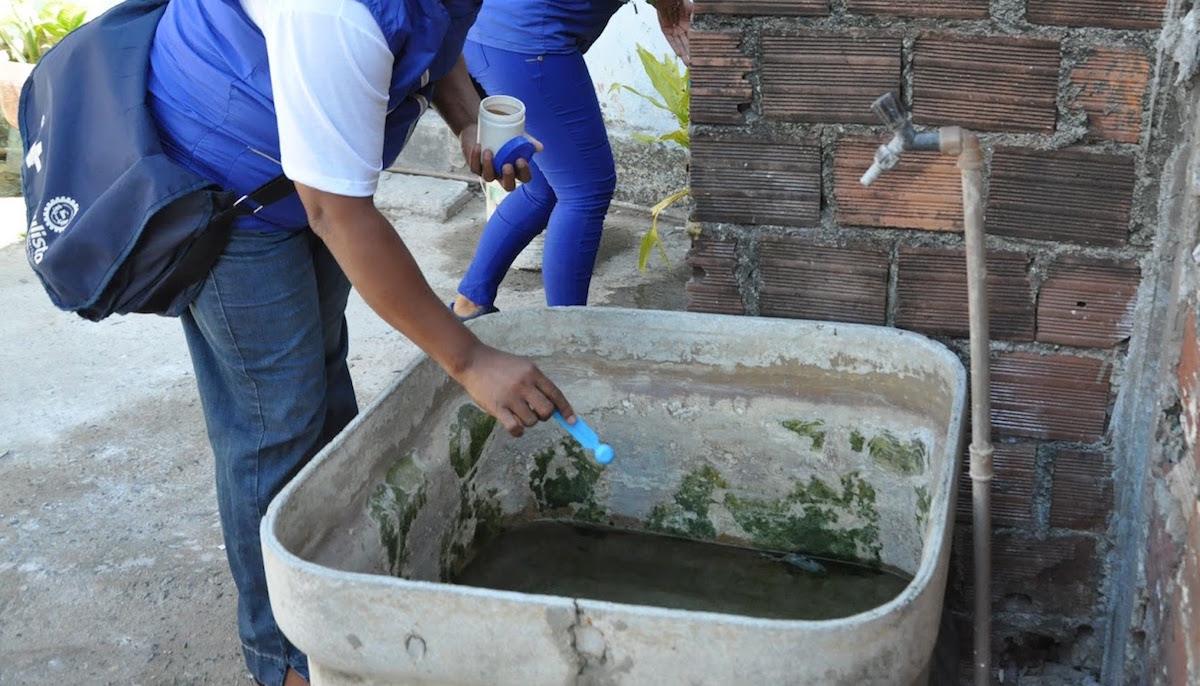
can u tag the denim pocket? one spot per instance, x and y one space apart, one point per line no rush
477 62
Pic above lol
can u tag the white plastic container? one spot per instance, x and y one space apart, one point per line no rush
501 119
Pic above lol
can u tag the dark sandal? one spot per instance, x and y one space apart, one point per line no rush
490 309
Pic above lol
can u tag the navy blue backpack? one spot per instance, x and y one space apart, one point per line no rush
114 225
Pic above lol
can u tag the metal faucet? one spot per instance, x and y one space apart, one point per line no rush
892 113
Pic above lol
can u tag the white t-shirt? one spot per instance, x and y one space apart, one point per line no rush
331 71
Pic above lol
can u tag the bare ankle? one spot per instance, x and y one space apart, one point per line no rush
465 307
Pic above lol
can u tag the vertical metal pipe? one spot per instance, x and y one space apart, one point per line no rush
970 163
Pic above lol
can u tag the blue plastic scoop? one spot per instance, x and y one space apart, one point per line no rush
587 438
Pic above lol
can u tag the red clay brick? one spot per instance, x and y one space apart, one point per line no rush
1112 83
822 77
714 287
1052 397
1088 302
931 293
1188 375
756 181
721 91
1190 580
1174 583
1012 487
804 280
986 84
924 191
1082 493
1061 195
1172 657
1112 14
1163 555
783 8
1060 575
944 9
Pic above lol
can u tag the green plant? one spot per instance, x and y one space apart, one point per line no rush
675 96
31 28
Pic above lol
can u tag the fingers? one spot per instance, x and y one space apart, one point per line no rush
535 401
524 173
555 396
509 178
473 154
537 145
525 414
488 170
540 404
511 424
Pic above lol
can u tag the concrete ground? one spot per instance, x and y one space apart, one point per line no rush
111 564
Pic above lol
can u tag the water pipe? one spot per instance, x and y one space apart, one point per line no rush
963 144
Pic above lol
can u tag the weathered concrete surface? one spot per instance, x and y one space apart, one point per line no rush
422 196
111 567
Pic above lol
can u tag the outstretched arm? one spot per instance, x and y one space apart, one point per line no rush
377 262
675 19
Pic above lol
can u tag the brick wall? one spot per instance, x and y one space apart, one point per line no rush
1172 564
1170 571
1060 92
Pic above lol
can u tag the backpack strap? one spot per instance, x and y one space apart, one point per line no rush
206 249
270 192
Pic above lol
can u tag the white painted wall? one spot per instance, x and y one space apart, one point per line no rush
96 7
613 59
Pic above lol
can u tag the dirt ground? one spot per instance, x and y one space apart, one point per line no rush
111 564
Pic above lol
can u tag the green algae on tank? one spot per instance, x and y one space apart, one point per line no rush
394 505
688 514
895 455
574 560
856 441
814 519
810 430
924 501
567 482
467 437
478 521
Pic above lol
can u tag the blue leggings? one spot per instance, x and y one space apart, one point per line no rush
573 178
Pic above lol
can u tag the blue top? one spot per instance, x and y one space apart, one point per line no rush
210 90
537 27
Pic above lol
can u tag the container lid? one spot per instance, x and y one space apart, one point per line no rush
515 149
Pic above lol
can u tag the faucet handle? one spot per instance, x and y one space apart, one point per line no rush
889 109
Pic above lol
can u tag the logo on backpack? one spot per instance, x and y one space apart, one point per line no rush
59 212
34 158
35 241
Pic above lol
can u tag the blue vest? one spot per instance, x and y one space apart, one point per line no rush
538 27
210 90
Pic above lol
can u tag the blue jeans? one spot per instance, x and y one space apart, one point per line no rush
267 336
573 178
